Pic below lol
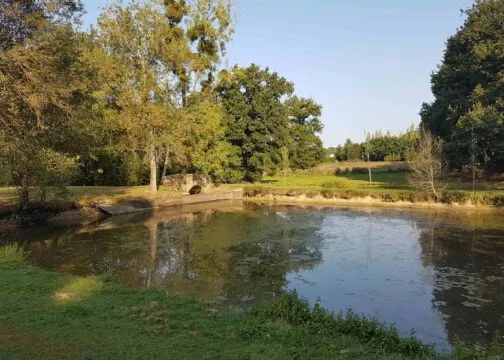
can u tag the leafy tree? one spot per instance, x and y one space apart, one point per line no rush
352 151
151 56
207 150
305 147
380 147
256 118
22 19
468 89
41 88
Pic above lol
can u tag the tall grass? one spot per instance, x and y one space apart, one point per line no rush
296 311
12 253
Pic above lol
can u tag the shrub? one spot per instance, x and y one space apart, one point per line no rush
327 194
12 253
392 157
498 200
390 197
454 197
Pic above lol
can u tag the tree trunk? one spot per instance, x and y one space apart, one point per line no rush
369 170
166 162
24 195
153 169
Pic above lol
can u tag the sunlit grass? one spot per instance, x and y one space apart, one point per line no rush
116 322
78 288
12 253
381 180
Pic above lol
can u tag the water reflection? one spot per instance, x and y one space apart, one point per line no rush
419 270
468 278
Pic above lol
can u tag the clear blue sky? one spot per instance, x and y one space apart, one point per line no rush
368 62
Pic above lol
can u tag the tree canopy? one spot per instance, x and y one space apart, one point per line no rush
468 110
141 95
262 118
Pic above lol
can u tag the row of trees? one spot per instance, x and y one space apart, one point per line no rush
139 96
379 146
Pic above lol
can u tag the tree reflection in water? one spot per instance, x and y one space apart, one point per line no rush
442 273
237 256
469 280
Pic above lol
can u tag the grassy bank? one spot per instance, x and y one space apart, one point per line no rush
329 181
52 316
386 186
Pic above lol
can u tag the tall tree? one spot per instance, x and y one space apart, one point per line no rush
22 19
256 120
305 146
152 55
41 87
469 91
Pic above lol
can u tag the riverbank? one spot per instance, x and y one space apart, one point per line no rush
390 189
376 198
88 204
46 315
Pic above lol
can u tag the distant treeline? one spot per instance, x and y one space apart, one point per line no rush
381 147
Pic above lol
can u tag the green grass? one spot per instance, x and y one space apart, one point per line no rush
11 253
387 186
46 315
358 181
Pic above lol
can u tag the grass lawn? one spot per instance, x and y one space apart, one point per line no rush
385 180
46 315
381 180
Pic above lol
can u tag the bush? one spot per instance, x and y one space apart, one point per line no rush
392 157
12 253
327 194
454 197
498 200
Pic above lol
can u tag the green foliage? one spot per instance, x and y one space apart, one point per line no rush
155 62
20 20
468 110
12 253
256 119
380 146
259 123
305 146
296 311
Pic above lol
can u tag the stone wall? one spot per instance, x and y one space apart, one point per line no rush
184 182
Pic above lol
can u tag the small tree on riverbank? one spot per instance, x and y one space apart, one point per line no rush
367 147
428 165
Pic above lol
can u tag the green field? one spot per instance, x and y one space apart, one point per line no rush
386 185
381 180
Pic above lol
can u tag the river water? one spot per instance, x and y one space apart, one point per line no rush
439 274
